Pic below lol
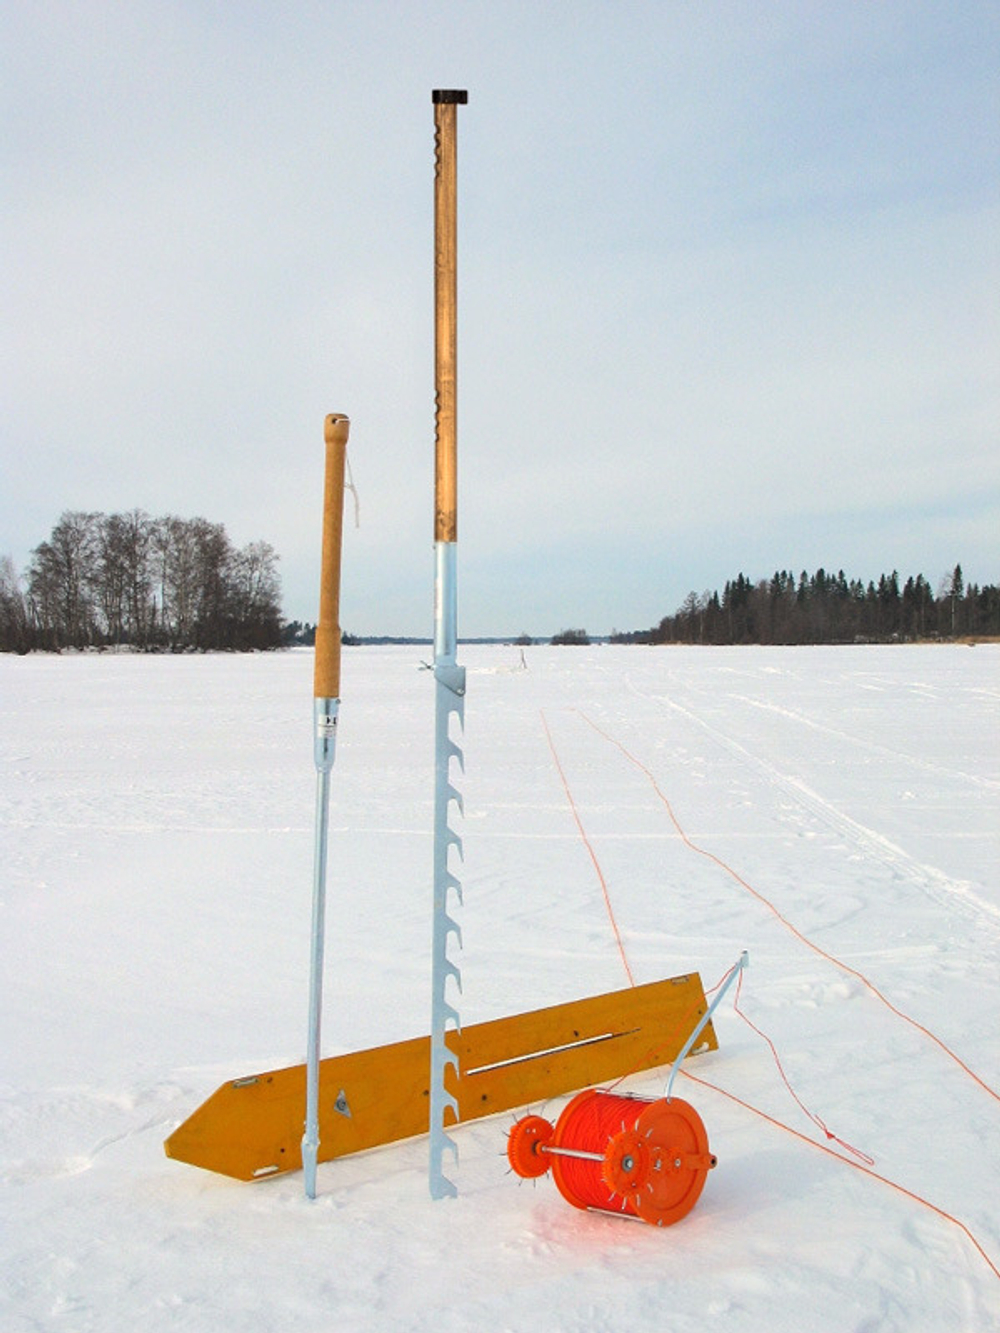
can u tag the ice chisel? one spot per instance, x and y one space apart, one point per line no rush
326 707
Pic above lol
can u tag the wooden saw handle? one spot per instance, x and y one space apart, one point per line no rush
446 103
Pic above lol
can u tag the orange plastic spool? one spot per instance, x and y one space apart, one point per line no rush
623 1155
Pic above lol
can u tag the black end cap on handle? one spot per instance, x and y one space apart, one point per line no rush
445 95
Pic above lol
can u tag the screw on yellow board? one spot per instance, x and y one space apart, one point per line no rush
326 708
250 1127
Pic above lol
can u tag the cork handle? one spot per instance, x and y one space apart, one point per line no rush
326 678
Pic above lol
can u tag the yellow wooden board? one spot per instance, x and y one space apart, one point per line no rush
252 1127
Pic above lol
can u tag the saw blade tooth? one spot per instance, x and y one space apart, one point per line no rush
448 1102
453 794
441 1187
455 751
442 1055
454 839
451 927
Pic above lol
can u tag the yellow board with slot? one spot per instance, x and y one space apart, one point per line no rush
251 1128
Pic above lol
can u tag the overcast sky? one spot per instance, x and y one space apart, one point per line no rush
729 289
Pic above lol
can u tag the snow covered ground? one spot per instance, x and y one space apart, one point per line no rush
156 820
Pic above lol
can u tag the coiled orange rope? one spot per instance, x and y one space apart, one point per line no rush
624 1155
591 1122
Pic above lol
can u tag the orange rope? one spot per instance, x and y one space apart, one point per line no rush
680 1033
830 958
593 854
858 1166
817 1121
861 1165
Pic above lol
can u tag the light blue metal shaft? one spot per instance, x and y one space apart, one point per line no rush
731 976
449 688
325 712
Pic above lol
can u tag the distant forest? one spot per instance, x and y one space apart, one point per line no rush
116 580
179 585
827 608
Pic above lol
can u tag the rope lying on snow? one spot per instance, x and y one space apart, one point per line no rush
865 1163
593 854
830 958
859 1166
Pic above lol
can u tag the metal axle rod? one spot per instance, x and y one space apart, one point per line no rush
571 1152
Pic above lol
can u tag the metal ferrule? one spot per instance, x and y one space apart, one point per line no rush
325 712
445 602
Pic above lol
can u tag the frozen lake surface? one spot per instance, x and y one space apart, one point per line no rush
834 811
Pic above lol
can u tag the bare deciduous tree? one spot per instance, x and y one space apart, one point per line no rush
15 621
128 579
61 581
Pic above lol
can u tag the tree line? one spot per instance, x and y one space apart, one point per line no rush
172 584
302 634
829 608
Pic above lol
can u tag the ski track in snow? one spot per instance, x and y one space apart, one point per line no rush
861 743
935 883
